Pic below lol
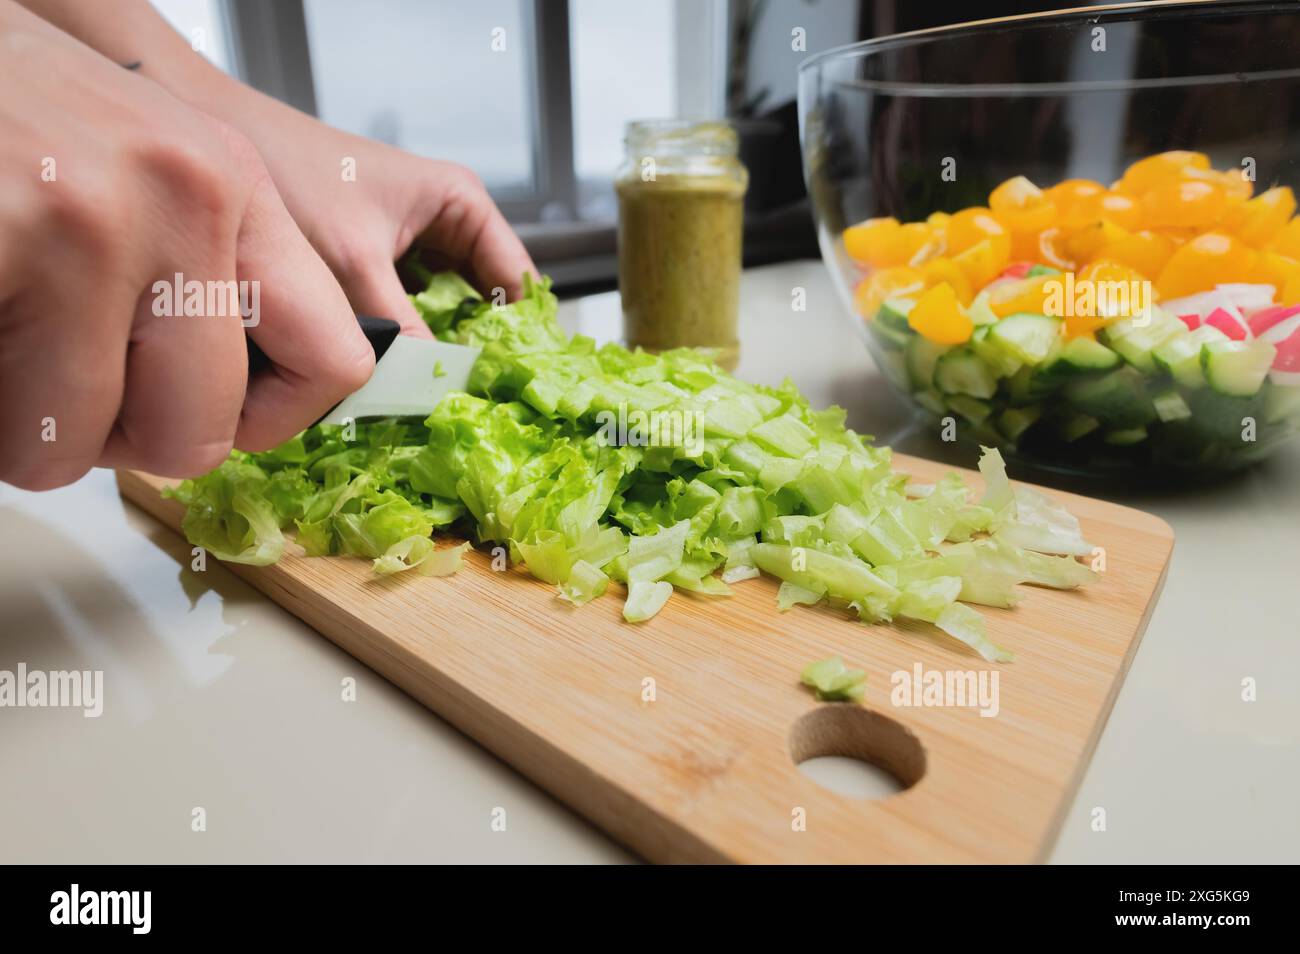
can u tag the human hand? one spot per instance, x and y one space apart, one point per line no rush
362 204
113 185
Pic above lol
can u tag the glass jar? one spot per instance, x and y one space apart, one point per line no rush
680 195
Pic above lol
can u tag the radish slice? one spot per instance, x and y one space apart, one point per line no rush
1287 359
1204 304
1247 297
1283 330
1199 304
1192 321
1230 326
1017 270
1262 321
1285 379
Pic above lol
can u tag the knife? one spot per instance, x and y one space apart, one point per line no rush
411 374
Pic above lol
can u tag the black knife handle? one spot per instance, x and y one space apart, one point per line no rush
380 332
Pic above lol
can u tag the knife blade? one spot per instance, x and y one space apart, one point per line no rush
411 374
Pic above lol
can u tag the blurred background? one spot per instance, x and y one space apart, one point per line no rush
534 94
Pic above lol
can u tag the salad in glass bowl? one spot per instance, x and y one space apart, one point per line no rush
1069 294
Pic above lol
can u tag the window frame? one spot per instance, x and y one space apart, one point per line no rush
272 52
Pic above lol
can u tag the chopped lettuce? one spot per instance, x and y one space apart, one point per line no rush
230 513
832 681
585 583
653 557
420 554
961 622
792 594
645 599
442 298
658 471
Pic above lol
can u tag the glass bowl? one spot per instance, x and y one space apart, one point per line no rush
908 126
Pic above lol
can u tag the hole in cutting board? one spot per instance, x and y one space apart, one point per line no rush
852 777
888 757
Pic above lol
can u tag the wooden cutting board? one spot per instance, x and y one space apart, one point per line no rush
706 772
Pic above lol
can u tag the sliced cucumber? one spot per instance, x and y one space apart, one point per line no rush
1237 368
932 401
1026 337
1180 355
1029 385
1135 343
1076 426
1083 356
1002 364
961 371
985 433
891 338
1170 406
1160 323
1126 436
1221 417
979 312
1119 398
1280 403
1014 421
973 409
922 353
893 314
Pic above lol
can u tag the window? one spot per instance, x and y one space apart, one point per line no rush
623 69
203 23
444 79
533 95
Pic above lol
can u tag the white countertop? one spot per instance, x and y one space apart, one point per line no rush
216 698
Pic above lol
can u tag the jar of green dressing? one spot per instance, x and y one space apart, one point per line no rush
680 196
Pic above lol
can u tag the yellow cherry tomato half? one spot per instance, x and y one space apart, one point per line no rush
1051 250
946 270
1145 251
1259 220
984 260
1210 259
898 282
1183 204
1076 202
1145 174
1026 294
939 317
1086 244
973 225
866 241
1287 241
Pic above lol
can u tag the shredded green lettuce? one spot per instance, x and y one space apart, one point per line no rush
420 554
590 464
645 599
832 681
585 583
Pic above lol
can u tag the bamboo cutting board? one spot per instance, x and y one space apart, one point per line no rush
706 771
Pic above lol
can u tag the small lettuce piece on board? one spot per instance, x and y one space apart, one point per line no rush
832 681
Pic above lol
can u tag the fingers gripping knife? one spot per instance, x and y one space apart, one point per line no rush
411 374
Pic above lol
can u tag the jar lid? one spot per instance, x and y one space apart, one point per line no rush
681 137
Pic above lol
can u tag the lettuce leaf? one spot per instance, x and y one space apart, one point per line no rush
585 583
593 464
832 681
645 599
229 514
